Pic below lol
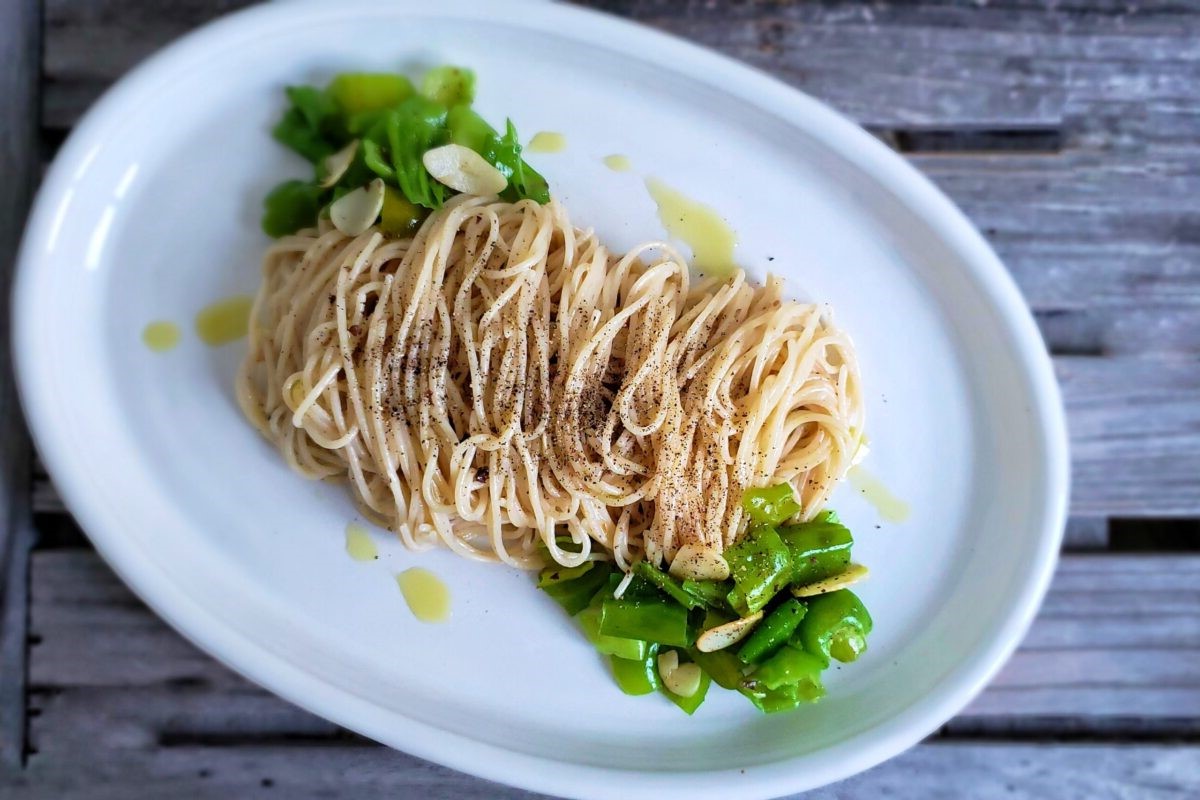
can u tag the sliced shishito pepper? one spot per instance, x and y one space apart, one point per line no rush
574 587
450 86
771 505
818 549
836 626
666 584
399 217
761 566
653 620
618 646
714 594
786 698
790 666
637 676
357 92
773 632
721 665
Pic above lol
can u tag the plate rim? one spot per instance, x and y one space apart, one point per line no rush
890 171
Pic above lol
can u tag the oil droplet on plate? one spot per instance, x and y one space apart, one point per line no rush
161 336
224 321
698 226
426 595
359 544
889 507
547 142
618 163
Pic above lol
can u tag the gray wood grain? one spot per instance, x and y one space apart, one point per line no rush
304 771
1135 435
19 55
1119 636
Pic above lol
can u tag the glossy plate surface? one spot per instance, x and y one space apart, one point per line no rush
151 212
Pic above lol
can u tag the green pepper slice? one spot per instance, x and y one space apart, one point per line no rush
836 626
818 549
771 505
761 566
666 584
652 620
574 595
636 676
773 632
790 666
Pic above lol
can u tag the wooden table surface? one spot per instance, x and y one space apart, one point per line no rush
1069 132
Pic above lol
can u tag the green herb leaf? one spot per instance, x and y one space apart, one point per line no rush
290 206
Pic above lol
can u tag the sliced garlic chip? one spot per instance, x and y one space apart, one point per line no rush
730 633
463 170
850 576
684 681
680 679
355 211
668 662
335 166
699 563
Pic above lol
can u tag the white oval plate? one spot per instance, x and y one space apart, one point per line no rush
151 212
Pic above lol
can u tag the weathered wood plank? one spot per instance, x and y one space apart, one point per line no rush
20 55
1116 636
299 771
101 655
905 64
1135 437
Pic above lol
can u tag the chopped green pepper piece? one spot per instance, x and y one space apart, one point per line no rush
358 92
659 621
290 206
790 666
401 218
773 632
690 704
819 549
469 129
771 505
574 595
722 666
450 86
785 698
636 589
714 594
524 182
618 646
375 160
836 626
636 676
413 128
761 566
557 573
666 584
310 126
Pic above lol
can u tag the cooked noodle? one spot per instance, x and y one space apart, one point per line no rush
501 378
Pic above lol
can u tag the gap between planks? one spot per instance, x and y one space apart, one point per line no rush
20 55
935 771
